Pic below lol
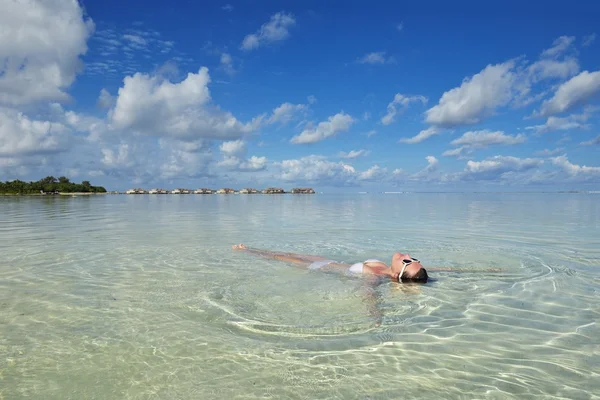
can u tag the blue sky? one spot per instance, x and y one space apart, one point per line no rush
339 96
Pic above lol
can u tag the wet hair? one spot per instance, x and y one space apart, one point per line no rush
420 277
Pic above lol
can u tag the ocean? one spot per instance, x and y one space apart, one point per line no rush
142 297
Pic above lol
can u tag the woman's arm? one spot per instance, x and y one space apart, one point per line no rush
491 269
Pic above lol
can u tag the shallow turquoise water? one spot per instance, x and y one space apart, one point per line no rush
141 297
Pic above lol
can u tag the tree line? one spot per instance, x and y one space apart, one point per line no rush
49 184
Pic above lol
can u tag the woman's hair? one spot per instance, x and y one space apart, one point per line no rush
420 277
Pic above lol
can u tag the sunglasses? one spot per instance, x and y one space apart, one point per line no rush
405 263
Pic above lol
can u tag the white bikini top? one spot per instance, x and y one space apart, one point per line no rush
358 267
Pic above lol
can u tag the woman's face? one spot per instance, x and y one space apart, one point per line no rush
398 264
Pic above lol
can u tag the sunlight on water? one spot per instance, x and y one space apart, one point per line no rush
140 297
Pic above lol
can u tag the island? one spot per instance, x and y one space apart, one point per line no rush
49 186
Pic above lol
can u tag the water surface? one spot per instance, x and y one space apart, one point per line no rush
141 297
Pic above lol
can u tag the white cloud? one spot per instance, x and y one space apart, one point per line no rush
316 169
227 63
254 163
575 170
574 121
429 173
547 152
497 167
560 46
117 158
477 97
574 92
22 136
588 40
136 41
592 142
403 102
421 136
459 152
353 154
375 173
105 100
286 112
277 29
400 27
340 122
548 69
311 99
234 153
40 46
375 58
227 7
154 106
485 138
233 148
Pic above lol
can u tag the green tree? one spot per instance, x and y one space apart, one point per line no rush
48 180
63 179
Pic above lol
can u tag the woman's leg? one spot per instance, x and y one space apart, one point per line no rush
276 255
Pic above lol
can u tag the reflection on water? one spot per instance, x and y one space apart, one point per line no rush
139 297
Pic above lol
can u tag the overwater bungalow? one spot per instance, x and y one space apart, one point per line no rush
176 191
273 191
249 191
303 191
136 191
204 191
225 191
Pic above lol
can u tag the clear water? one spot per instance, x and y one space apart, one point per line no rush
141 297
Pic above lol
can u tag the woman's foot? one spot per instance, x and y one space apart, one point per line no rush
239 246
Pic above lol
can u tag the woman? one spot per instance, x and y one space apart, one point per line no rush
403 267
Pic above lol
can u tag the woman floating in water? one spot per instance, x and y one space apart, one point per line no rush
403 268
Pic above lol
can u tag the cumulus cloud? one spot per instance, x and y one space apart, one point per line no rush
549 68
485 138
227 63
574 121
105 100
476 98
40 46
286 112
459 152
429 173
276 30
233 148
574 92
154 106
373 174
353 154
576 171
335 124
473 140
497 167
398 105
22 136
560 45
234 157
375 58
421 136
316 169
592 142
